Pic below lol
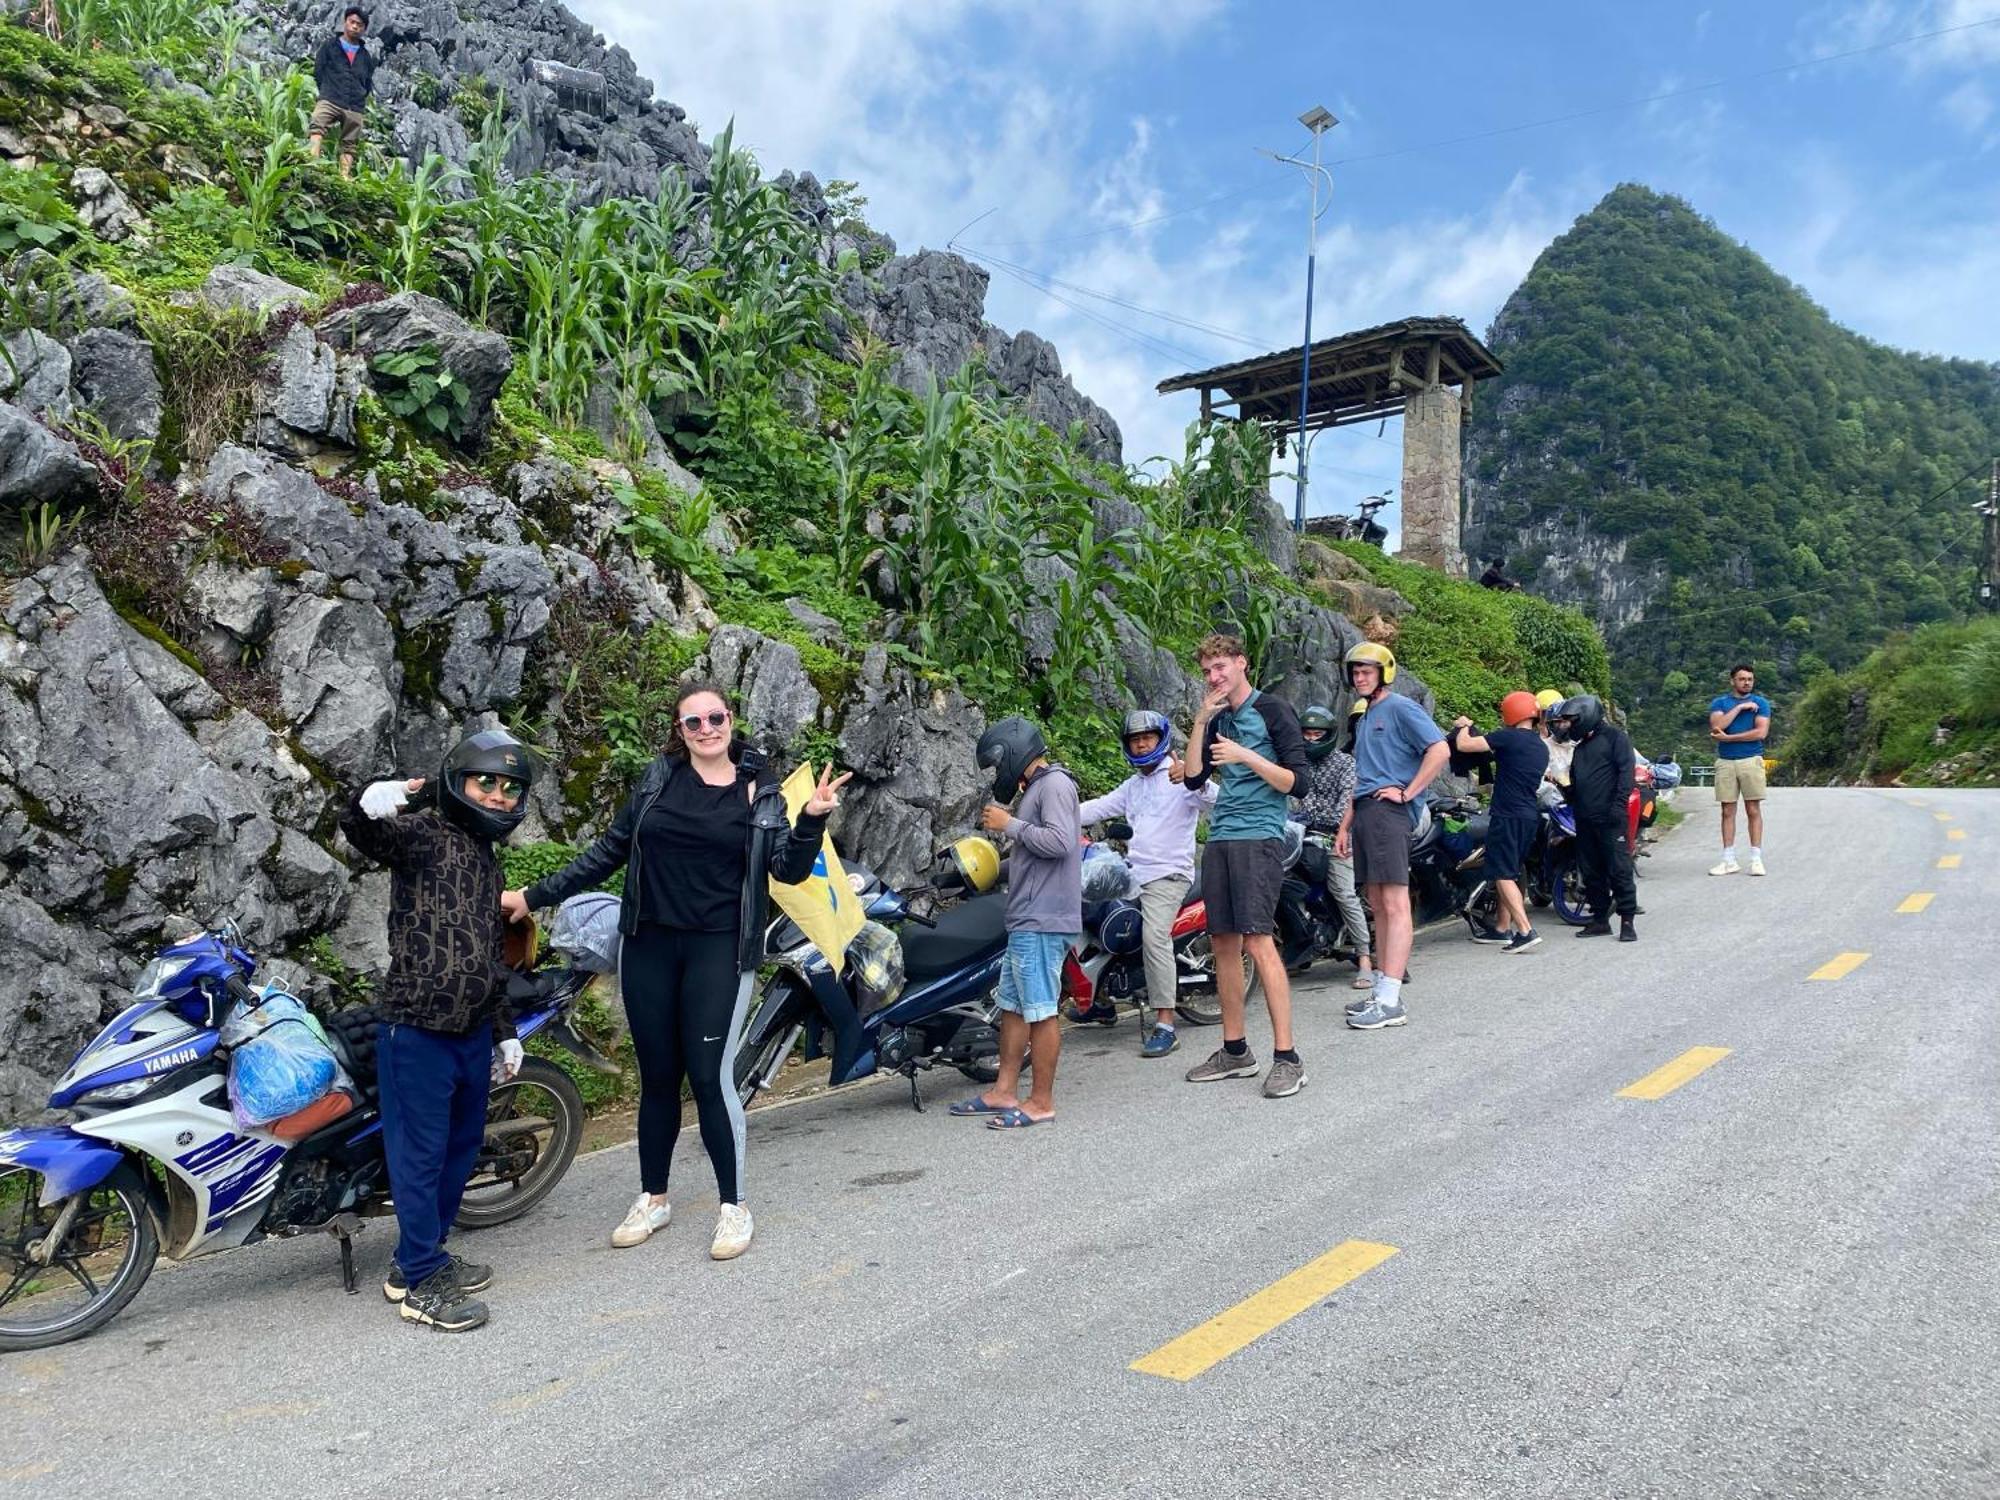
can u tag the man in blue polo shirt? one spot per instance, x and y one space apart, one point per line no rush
1252 744
1398 752
1739 721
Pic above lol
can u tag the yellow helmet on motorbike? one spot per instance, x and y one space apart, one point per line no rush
1547 699
974 861
1375 654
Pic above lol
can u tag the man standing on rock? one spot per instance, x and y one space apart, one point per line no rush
1252 744
1739 721
344 72
1398 753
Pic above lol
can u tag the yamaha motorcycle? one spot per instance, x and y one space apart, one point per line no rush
945 1013
153 1161
1108 968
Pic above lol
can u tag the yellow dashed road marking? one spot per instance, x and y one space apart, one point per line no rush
1916 902
1663 1081
1954 833
1249 1320
1839 967
1949 861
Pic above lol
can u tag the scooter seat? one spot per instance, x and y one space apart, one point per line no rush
964 934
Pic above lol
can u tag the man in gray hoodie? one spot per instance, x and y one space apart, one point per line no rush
1044 917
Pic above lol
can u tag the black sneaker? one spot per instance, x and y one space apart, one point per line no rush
438 1302
1521 942
1626 934
472 1277
1594 929
1485 934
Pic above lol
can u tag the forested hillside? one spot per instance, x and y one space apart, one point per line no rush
1687 447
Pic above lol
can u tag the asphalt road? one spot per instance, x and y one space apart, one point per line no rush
1776 1279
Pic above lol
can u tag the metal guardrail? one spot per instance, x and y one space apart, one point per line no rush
1699 776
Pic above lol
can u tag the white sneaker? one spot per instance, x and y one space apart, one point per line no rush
732 1232
1727 867
1756 864
642 1221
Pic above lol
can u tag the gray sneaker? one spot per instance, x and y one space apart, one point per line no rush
1376 1016
1284 1079
1360 1003
1221 1065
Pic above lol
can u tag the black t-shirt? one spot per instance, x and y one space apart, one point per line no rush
696 840
1519 758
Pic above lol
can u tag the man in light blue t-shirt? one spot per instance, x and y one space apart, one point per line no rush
1398 752
1739 721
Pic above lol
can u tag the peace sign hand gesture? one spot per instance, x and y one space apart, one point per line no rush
826 795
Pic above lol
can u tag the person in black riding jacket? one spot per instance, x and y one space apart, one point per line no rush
698 840
1600 782
443 1003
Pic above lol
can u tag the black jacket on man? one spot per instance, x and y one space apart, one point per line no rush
1600 776
339 81
779 850
1600 779
446 928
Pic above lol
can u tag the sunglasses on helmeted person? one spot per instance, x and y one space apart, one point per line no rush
489 783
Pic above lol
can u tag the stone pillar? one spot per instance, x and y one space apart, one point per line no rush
1431 481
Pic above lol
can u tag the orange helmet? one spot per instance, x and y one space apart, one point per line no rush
1518 708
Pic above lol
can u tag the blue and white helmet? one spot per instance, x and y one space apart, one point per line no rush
1146 721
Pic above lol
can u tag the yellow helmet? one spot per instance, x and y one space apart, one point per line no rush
1375 654
974 861
1547 699
1357 707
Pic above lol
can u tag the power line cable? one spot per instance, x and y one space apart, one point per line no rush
986 257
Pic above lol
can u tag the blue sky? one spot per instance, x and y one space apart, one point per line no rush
1114 143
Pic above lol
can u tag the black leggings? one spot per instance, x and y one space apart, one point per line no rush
684 1003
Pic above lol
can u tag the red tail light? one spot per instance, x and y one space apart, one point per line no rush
1075 983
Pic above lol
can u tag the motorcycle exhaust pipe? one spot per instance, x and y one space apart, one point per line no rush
567 1038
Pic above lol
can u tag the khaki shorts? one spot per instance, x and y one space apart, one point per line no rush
1739 778
327 114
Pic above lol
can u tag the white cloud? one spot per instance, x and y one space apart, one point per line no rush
1969 106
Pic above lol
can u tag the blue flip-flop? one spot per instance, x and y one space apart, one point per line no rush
1016 1119
966 1108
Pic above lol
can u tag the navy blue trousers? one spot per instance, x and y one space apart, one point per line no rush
433 1089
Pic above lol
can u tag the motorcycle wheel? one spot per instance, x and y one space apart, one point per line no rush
1199 957
103 1261
533 1126
1567 893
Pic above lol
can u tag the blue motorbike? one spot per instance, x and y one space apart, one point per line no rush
943 1015
153 1160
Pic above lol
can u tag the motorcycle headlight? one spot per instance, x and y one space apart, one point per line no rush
156 976
118 1093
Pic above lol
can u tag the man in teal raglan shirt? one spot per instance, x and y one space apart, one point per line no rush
1252 744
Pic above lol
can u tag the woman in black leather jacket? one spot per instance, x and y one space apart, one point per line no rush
698 841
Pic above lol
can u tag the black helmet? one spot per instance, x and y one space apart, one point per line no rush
1319 716
1146 721
490 751
1576 718
1007 750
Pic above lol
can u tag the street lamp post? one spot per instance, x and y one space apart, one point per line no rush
1319 119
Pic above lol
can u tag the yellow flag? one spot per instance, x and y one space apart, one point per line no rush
826 910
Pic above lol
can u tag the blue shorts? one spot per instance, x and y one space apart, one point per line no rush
1031 973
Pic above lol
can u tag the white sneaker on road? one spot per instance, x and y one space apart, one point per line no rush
1727 867
1756 864
732 1232
642 1221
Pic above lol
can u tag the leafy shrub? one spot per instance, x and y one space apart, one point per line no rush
416 385
34 214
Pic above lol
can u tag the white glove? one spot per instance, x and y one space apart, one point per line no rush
507 1059
384 799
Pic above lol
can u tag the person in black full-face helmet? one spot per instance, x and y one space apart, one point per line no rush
447 1032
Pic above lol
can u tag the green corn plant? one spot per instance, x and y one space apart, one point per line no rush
44 533
409 261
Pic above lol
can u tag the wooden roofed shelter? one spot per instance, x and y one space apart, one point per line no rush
1420 369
